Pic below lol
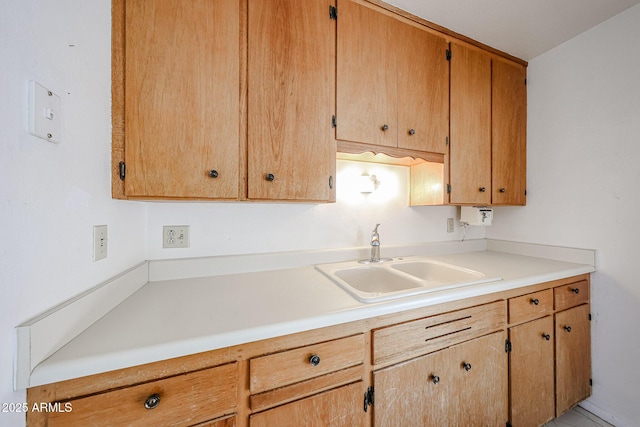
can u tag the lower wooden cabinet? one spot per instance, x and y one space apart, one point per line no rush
573 357
463 385
532 369
340 407
183 400
520 356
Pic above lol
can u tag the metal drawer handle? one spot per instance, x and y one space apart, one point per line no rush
435 379
567 328
152 401
466 366
575 290
314 360
546 336
535 301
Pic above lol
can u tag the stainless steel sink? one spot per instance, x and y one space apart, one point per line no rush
400 278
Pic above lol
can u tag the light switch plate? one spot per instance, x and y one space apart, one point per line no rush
175 236
99 242
45 113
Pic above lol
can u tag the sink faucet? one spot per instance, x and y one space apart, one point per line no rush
375 245
375 249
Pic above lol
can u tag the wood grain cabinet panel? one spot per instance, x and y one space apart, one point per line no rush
182 98
508 133
392 81
530 306
573 357
340 407
184 400
295 365
532 373
470 126
463 385
426 335
571 295
291 100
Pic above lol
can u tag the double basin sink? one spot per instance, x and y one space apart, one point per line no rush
400 277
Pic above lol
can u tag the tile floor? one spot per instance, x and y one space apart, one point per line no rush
578 417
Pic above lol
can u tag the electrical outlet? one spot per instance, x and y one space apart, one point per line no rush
449 225
175 236
99 242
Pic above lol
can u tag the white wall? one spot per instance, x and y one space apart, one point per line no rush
583 189
51 195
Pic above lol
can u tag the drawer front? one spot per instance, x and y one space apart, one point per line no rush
292 366
184 400
571 295
426 335
530 306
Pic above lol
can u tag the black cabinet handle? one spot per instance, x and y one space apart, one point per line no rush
546 336
384 128
152 401
435 379
466 366
213 173
567 328
535 301
314 360
482 189
412 131
270 177
575 290
503 190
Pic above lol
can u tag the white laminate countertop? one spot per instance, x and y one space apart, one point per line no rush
172 318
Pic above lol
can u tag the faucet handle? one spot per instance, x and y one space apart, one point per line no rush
375 230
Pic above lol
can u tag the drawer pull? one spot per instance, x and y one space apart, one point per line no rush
466 366
535 301
152 401
384 128
213 173
567 328
314 360
546 336
482 189
575 290
435 379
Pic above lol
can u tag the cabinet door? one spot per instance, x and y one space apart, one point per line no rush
414 393
182 98
341 407
480 382
366 76
573 357
509 128
291 98
470 148
532 373
423 89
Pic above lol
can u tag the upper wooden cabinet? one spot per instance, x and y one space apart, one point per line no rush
488 129
291 100
508 133
392 81
470 148
181 98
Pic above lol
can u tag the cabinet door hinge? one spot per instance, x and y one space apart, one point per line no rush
449 188
507 346
590 382
334 121
333 13
368 398
589 316
122 170
448 54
